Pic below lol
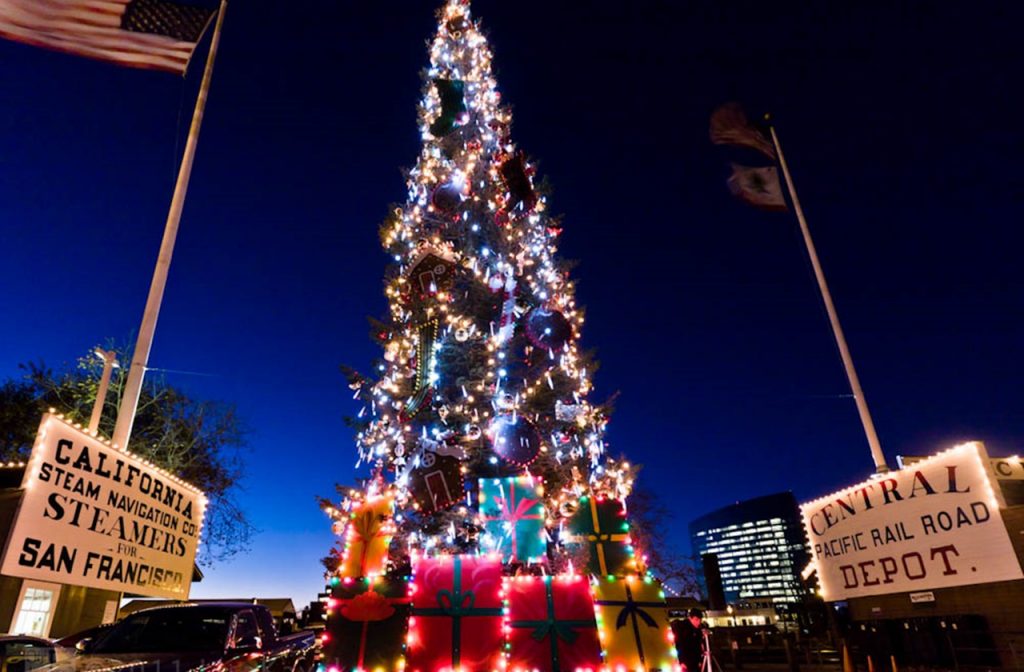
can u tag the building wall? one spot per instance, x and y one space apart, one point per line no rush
10 588
1001 604
80 608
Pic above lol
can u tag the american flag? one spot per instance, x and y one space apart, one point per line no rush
154 34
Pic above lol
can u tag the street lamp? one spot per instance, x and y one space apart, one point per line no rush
109 358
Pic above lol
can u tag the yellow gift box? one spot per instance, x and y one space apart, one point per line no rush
367 537
632 620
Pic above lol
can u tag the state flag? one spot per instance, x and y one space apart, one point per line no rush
154 34
759 187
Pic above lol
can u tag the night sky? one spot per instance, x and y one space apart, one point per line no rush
902 126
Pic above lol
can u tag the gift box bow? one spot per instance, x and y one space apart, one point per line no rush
366 527
369 525
369 606
513 512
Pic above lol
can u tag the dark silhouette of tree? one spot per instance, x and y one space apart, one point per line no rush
649 527
199 441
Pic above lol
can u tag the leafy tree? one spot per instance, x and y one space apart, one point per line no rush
199 441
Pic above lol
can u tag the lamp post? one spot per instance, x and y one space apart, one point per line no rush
109 358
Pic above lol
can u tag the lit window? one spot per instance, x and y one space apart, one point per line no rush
35 609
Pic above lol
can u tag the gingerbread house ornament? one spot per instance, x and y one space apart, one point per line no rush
437 484
431 272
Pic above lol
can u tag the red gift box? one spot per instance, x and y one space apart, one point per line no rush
456 615
366 623
551 624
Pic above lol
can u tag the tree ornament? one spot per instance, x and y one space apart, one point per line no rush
568 412
473 432
453 106
504 401
517 182
568 507
548 329
423 385
429 273
447 197
457 25
430 449
462 334
501 217
514 438
438 486
507 323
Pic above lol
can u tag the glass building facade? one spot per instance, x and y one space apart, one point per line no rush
760 547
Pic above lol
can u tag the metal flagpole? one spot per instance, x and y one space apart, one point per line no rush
833 317
144 343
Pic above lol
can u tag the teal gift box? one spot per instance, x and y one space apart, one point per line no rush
512 513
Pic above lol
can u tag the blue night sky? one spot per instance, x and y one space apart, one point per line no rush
902 127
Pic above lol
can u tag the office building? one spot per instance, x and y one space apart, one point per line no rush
758 547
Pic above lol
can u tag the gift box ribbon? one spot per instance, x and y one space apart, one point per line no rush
633 610
600 538
457 604
554 628
367 526
513 512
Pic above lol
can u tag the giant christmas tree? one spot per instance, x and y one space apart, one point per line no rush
490 532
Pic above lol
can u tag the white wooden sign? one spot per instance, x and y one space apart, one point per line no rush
934 524
92 515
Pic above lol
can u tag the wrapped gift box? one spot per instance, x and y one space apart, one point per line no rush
550 624
512 513
457 614
366 624
367 536
632 618
601 524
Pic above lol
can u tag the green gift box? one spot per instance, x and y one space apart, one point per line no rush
512 512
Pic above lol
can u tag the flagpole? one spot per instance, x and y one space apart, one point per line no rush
144 342
833 316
